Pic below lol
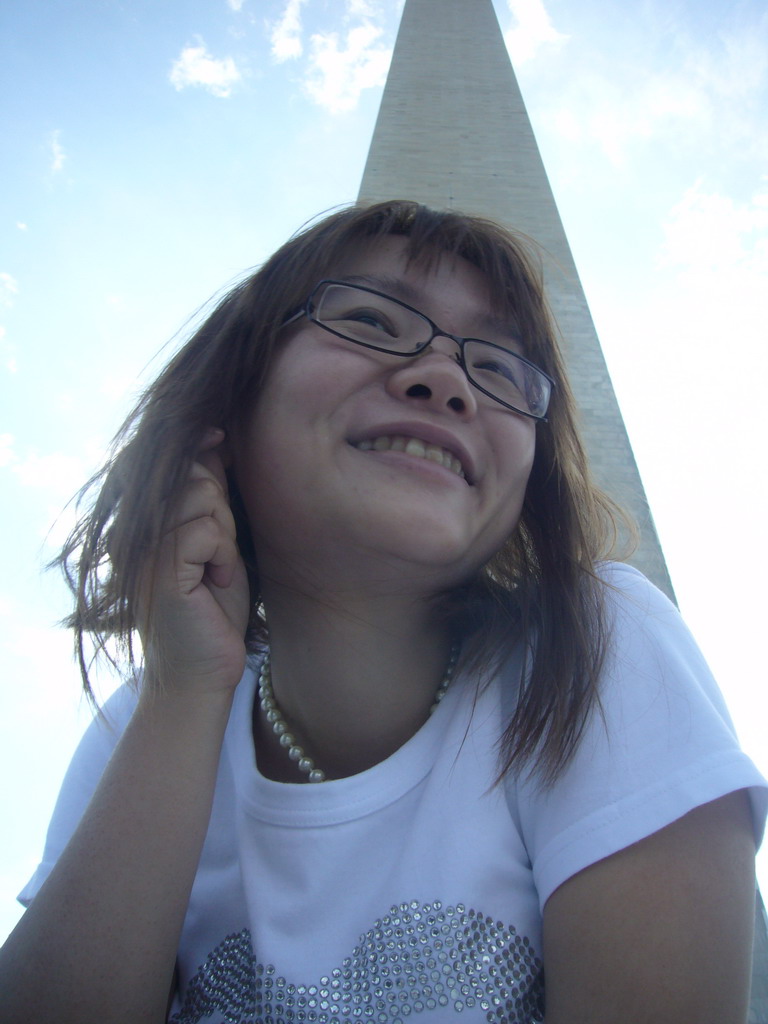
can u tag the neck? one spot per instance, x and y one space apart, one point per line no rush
353 683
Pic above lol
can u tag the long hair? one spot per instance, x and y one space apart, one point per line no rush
540 587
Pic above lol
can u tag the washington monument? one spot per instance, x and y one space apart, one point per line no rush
453 133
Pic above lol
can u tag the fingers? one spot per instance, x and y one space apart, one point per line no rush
196 600
201 551
202 528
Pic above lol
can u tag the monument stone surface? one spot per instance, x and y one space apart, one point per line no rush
453 133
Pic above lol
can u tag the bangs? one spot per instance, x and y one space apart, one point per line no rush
511 263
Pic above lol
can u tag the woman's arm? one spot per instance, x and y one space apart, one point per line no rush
661 932
99 941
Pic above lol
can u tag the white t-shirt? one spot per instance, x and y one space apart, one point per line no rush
416 888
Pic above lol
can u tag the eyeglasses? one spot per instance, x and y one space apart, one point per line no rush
377 321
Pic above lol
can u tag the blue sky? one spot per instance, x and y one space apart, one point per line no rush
153 152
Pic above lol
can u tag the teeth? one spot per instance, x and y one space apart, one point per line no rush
413 446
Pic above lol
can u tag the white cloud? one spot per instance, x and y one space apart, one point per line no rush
26 647
615 112
119 385
338 73
533 29
706 324
7 454
9 289
720 244
360 9
662 105
286 33
235 5
196 66
60 520
54 477
738 69
57 471
712 88
58 156
21 225
7 354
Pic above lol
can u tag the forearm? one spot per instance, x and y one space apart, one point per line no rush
99 942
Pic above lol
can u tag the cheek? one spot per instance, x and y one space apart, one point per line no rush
515 451
515 461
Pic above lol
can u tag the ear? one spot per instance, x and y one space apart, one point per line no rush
224 450
214 454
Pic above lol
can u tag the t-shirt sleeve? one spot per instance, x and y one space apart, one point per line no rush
80 781
664 744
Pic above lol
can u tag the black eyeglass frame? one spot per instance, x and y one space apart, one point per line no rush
309 311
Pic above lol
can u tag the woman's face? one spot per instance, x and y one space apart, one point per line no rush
329 490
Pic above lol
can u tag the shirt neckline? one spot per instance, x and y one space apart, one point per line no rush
336 800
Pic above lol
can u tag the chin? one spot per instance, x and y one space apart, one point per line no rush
442 563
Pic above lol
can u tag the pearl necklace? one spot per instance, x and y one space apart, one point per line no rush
286 738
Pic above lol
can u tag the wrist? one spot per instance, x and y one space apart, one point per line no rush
171 679
159 701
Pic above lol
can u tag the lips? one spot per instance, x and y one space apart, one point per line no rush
416 447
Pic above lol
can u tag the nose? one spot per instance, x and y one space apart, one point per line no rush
435 379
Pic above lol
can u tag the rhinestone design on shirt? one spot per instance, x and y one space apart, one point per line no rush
421 958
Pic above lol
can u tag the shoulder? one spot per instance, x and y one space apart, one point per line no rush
631 597
653 663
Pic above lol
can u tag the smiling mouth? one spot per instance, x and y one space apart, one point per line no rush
413 446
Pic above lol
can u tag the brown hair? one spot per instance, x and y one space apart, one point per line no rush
539 587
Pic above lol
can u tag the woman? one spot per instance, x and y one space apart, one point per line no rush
310 825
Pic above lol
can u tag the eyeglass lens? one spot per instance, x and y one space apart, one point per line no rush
383 323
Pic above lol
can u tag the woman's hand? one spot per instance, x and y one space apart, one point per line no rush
196 607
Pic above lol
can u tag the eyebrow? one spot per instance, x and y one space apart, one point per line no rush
404 291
